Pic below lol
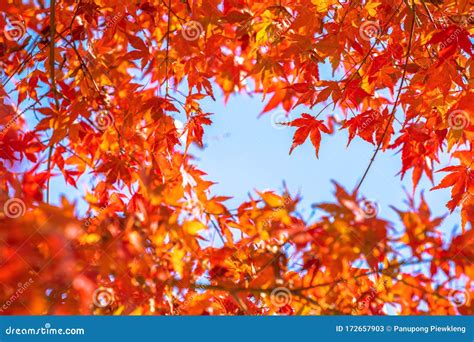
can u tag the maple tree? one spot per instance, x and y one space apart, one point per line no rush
91 88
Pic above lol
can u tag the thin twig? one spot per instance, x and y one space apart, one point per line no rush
394 109
168 41
52 33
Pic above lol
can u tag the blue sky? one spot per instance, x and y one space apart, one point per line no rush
247 153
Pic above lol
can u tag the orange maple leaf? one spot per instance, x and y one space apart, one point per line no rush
308 125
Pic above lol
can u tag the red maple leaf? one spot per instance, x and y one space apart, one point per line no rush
308 125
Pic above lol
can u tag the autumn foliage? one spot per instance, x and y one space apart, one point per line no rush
91 88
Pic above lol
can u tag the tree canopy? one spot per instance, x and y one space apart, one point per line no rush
91 88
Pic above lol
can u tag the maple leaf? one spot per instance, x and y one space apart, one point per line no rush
364 124
461 179
420 229
458 179
450 38
195 129
308 126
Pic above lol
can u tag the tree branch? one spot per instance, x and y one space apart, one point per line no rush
394 109
52 34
